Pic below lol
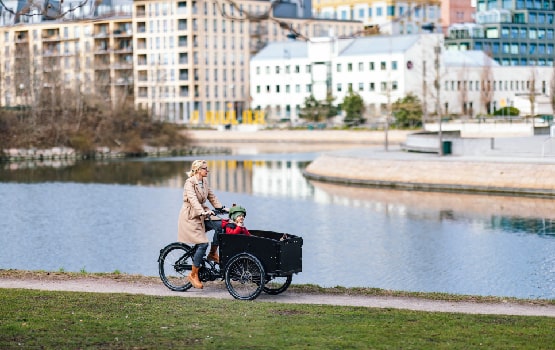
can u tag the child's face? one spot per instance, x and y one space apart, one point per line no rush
240 219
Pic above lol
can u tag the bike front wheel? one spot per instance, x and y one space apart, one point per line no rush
174 265
244 277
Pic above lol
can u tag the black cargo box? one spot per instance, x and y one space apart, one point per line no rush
278 257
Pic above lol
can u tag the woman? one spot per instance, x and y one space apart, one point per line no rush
194 217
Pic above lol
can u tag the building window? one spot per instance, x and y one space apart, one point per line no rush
371 66
383 65
360 66
372 87
393 65
360 86
349 67
339 87
391 10
338 69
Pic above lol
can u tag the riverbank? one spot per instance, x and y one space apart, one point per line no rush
516 166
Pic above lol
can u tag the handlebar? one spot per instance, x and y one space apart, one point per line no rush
219 211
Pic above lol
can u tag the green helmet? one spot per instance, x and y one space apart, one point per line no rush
236 210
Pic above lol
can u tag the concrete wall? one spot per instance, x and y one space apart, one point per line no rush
485 129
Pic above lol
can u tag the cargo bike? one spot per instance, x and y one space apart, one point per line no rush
264 261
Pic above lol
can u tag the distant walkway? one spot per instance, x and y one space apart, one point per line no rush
300 136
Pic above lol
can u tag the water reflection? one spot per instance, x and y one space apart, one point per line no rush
274 177
511 214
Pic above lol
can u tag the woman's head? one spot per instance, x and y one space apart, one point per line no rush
198 166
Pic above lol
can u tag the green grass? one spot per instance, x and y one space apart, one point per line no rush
69 320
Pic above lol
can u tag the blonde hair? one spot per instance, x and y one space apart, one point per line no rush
197 164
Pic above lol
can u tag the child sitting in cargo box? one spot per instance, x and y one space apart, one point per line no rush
236 223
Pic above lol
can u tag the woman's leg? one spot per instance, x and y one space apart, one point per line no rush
215 225
199 254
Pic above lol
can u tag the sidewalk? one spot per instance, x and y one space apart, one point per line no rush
218 290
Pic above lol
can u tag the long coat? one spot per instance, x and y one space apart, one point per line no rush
190 225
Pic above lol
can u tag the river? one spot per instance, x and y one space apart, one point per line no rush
116 215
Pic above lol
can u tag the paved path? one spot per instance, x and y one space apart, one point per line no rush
217 290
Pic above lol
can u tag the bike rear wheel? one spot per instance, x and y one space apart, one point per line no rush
174 265
277 285
244 277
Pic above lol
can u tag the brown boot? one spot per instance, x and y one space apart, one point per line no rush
193 278
213 255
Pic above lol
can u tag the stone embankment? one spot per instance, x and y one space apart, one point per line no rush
453 175
61 154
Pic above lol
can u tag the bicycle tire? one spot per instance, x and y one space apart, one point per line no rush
244 277
174 266
277 285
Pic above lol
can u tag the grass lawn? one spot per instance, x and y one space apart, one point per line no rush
31 319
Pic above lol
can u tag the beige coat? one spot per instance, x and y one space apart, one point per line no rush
190 225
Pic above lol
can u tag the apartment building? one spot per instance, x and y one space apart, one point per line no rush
513 32
456 11
192 57
78 56
387 17
185 61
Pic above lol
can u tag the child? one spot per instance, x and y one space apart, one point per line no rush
236 224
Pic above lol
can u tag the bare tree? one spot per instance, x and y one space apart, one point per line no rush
552 92
463 90
486 90
532 95
44 8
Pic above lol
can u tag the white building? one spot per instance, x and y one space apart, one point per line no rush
383 69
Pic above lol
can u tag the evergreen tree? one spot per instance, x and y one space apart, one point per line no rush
354 108
407 112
